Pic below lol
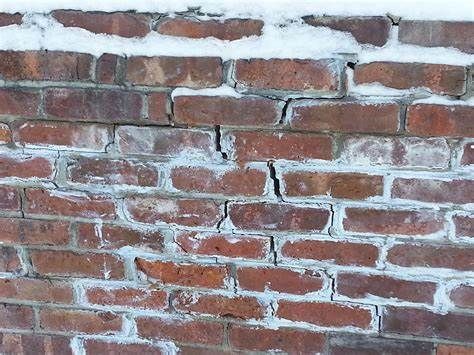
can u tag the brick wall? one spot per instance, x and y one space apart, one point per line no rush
294 213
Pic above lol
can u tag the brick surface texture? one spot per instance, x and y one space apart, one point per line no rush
143 209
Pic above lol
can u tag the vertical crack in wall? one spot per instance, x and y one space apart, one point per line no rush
217 130
276 181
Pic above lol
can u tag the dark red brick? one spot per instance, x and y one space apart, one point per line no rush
19 102
158 108
464 226
30 344
9 260
9 199
10 19
468 155
146 298
34 232
36 290
463 296
92 346
16 317
26 167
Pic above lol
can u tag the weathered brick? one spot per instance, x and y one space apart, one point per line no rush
464 226
440 120
26 167
78 321
463 296
432 256
110 237
45 65
228 29
120 24
292 341
129 297
16 317
93 104
454 191
240 307
433 153
10 19
166 142
344 116
420 322
226 110
467 158
392 222
112 172
362 286
158 110
19 102
106 69
258 146
342 253
34 344
366 30
314 77
67 203
338 185
445 349
184 274
437 78
36 290
229 245
438 34
72 264
9 199
325 314
5 134
295 281
278 217
62 135
233 181
186 212
92 346
33 232
181 330
191 72
9 260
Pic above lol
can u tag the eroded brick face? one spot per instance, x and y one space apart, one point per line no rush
177 184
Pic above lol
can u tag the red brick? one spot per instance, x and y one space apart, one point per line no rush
34 232
467 155
297 281
362 286
16 317
128 297
401 222
93 104
342 253
181 330
76 321
396 151
75 204
120 24
9 260
10 19
439 120
445 349
432 256
438 34
63 135
229 245
158 107
45 65
278 217
240 307
337 185
325 314
186 212
9 199
110 237
106 69
36 290
463 296
19 102
184 274
226 110
72 264
25 167
191 72
292 341
112 172
5 134
199 350
258 146
437 78
165 142
25 344
317 77
454 191
418 322
464 226
228 29
243 182
92 346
